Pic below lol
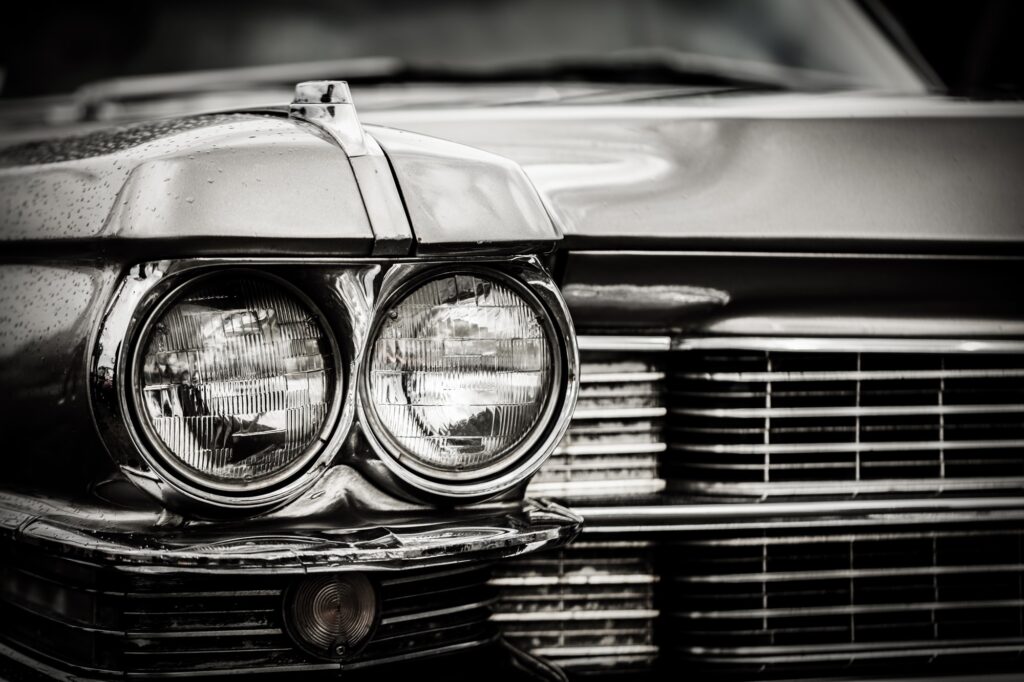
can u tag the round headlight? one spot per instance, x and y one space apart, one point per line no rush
462 376
236 383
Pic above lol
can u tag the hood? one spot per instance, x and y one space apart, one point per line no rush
810 171
259 184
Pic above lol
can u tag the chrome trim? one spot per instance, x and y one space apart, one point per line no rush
620 413
916 485
145 543
591 652
611 449
598 579
675 513
849 344
877 650
879 411
620 377
896 446
145 290
347 293
328 105
844 574
583 489
640 344
532 282
853 375
602 614
811 611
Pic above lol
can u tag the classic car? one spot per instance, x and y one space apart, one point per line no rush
649 339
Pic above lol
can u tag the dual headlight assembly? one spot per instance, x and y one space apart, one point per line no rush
237 386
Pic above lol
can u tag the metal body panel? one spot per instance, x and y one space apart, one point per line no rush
227 177
48 314
146 541
860 169
464 199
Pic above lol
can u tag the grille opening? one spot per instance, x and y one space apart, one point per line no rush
784 423
803 599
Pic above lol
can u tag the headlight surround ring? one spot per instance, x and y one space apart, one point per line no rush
168 463
536 289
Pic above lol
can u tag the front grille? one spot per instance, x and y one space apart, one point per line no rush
750 422
90 618
812 597
612 446
589 607
755 420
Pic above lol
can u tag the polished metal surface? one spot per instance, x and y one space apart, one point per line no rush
151 542
348 294
822 417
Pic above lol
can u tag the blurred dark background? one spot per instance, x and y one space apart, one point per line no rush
974 46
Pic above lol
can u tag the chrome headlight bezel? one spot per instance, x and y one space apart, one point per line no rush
351 295
163 461
147 291
533 284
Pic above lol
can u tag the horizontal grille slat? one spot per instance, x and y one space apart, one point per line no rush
823 422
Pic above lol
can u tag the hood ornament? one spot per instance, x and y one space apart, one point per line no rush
328 105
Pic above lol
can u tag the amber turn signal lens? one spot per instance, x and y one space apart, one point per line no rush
331 616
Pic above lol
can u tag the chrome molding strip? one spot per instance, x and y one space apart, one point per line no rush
600 520
610 449
598 579
818 488
846 574
837 344
845 610
849 344
819 448
597 614
880 411
580 489
596 651
634 344
619 413
853 375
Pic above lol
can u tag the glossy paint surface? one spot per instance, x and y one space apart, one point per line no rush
856 168
226 177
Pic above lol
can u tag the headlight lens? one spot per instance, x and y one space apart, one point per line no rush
460 376
237 382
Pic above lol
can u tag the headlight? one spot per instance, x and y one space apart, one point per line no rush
236 383
461 380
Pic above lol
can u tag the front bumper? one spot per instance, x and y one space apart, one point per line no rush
98 592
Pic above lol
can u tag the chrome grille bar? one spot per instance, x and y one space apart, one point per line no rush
781 417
